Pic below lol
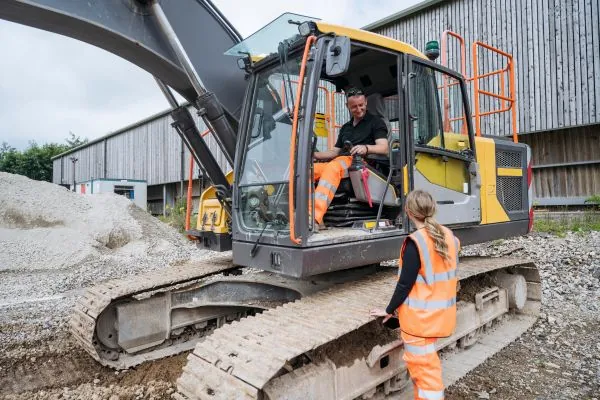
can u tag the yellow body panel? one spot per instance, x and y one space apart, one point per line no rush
370 38
432 167
450 174
491 209
211 216
510 172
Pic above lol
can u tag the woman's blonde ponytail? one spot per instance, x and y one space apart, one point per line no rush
423 207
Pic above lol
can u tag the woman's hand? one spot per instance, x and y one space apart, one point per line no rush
377 312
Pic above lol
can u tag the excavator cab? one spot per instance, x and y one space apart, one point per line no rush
298 69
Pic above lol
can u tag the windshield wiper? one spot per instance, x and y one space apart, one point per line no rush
283 50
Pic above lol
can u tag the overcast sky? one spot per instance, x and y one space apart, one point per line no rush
51 84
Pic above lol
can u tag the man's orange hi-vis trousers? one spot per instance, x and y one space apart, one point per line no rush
329 175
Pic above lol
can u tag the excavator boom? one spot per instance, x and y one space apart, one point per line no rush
129 29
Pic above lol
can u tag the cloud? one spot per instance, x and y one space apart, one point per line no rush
53 84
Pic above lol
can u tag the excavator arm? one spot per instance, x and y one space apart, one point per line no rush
180 42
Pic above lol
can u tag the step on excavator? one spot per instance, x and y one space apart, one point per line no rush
283 312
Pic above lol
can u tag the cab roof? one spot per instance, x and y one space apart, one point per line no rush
369 38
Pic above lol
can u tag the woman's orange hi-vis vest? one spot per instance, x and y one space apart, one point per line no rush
429 311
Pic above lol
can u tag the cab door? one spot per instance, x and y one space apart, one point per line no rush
443 149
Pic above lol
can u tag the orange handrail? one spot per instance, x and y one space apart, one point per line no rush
188 206
463 64
507 102
510 99
291 211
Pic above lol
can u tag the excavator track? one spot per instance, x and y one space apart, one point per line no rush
274 354
96 299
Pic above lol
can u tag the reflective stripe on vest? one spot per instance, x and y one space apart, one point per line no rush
439 277
419 350
427 267
431 394
431 304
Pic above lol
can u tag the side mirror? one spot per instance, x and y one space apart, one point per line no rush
338 56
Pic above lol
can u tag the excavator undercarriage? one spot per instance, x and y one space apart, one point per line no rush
258 335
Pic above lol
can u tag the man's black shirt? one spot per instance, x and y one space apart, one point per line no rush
366 131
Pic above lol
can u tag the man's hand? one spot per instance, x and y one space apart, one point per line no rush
377 312
326 155
360 149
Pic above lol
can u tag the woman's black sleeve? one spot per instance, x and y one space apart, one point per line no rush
411 263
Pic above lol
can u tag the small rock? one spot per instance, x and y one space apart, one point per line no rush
493 391
551 320
483 395
114 397
33 359
96 381
551 365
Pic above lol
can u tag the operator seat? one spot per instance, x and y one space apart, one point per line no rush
376 106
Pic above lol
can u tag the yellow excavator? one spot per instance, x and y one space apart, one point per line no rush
283 313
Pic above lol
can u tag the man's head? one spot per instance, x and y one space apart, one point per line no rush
356 102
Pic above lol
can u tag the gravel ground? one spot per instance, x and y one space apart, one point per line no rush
559 357
54 243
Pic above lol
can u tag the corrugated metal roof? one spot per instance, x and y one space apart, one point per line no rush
401 14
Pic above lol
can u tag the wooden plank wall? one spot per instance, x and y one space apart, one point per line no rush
555 45
566 164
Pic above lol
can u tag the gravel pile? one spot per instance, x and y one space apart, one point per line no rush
559 358
54 243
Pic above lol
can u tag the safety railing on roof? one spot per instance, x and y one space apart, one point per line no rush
505 73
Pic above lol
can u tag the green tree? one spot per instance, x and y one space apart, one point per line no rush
10 158
75 141
35 162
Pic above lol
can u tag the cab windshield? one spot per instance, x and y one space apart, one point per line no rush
266 159
265 164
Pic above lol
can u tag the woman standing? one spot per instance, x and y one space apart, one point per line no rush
425 295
